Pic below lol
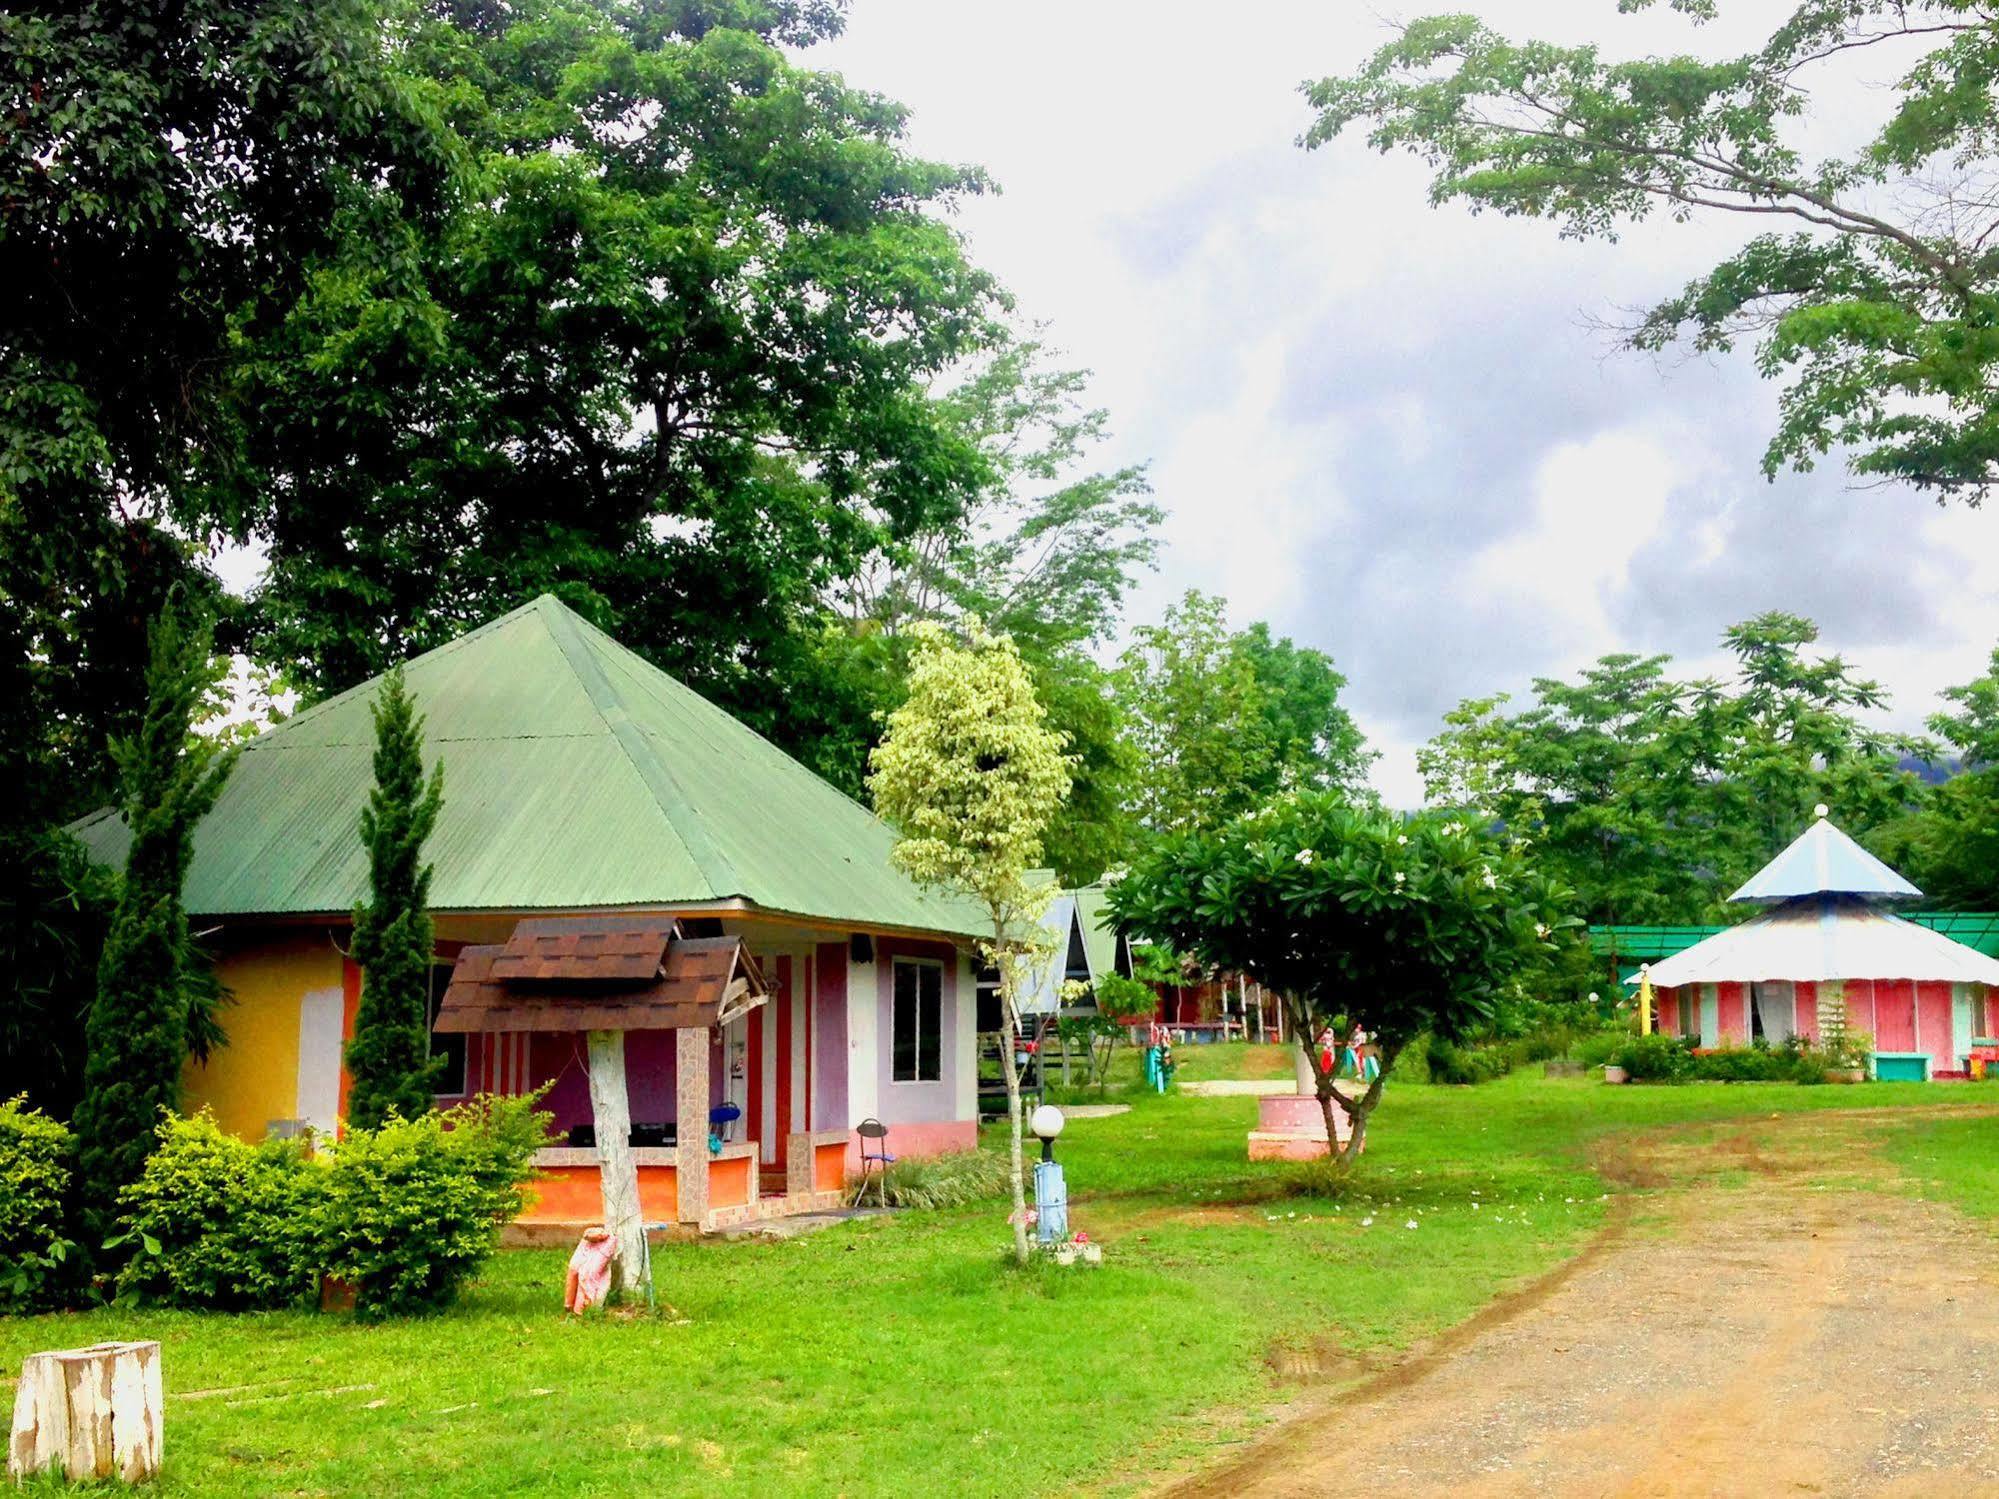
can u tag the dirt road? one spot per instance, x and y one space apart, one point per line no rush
1782 1338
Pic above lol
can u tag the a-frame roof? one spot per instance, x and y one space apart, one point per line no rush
1824 861
577 776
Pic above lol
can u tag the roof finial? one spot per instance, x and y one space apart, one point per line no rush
1821 810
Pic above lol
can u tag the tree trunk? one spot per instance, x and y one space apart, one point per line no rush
89 1413
610 1108
1009 1036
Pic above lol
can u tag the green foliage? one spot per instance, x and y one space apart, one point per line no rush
389 1054
137 1032
412 1210
1654 1059
1875 315
1125 1001
669 356
223 1224
35 1160
1448 1062
947 1181
406 1213
1949 848
1223 720
970 775
1654 797
1361 919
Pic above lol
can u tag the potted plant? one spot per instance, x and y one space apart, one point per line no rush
1846 1056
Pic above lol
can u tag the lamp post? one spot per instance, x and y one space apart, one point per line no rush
1051 1193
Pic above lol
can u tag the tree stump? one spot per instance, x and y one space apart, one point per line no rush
89 1413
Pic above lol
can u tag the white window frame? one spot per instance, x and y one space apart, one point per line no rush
918 1081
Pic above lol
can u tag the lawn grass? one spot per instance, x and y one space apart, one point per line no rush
901 1355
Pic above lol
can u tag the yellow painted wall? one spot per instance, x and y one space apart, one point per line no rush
254 1079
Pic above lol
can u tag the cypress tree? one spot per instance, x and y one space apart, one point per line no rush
149 975
389 1057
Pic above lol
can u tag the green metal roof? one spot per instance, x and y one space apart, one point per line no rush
1648 944
576 775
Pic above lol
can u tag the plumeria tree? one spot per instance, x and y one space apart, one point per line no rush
1360 919
970 774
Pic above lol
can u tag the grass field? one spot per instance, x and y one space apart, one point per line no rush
902 1356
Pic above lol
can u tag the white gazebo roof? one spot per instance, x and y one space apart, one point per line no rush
1824 861
1820 940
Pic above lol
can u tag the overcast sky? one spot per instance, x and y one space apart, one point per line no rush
1386 428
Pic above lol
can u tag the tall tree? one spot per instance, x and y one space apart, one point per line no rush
1223 720
149 974
1874 311
389 1056
970 775
1044 548
669 358
1655 796
1950 846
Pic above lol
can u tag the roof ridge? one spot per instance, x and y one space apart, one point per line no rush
657 777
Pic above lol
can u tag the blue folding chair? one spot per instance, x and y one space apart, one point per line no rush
878 1160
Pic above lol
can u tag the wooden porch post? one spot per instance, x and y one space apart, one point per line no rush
691 1123
611 1110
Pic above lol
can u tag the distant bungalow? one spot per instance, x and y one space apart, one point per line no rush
1923 997
592 803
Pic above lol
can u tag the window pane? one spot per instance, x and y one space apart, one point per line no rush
929 1060
903 1042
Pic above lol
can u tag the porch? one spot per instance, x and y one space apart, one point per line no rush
731 1119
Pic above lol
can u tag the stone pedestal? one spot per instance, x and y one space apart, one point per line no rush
1292 1127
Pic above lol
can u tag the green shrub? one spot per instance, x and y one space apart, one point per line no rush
35 1157
947 1181
1598 1047
409 1212
1654 1059
405 1213
1450 1062
221 1223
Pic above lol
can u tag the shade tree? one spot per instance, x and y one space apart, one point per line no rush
1361 920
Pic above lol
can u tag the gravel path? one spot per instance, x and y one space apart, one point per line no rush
1776 1339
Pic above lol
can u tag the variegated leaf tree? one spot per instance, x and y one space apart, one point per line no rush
971 776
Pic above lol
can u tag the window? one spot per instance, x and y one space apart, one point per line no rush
451 1076
917 1053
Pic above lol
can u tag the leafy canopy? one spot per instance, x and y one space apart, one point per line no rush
1654 796
1222 720
1398 925
1875 312
970 775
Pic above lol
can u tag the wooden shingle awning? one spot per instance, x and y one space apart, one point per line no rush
600 974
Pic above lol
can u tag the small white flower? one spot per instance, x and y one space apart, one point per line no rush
1367 1223
1410 1224
1454 828
1540 928
1402 839
1399 876
1490 880
1303 856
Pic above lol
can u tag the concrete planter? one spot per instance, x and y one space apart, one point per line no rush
1612 1073
1846 1074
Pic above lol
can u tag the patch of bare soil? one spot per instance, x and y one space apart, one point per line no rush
1784 1337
